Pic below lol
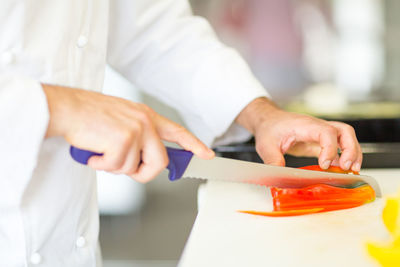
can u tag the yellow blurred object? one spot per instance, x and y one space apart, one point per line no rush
388 255
390 216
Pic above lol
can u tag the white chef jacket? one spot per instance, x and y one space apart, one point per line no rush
48 203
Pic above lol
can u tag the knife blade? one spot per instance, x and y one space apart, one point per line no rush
183 164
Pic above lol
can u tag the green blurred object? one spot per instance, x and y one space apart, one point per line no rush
361 110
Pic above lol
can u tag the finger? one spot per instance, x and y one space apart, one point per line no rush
303 149
335 162
328 142
357 164
173 132
270 154
287 143
132 160
110 161
348 143
154 160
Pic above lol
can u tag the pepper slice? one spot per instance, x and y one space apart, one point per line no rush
281 213
317 198
320 196
322 191
326 205
334 169
314 199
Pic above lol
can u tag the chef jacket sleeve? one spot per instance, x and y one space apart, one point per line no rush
24 118
176 57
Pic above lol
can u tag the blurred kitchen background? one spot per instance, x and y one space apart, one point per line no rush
335 59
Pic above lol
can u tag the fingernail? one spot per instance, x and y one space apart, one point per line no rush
347 165
356 167
208 154
212 154
326 164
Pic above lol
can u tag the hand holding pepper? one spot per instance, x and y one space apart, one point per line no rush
278 132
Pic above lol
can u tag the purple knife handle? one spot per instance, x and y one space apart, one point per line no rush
82 156
178 161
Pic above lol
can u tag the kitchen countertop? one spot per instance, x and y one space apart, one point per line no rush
223 237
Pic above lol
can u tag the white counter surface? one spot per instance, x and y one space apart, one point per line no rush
223 237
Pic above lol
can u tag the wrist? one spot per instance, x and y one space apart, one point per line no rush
256 112
57 101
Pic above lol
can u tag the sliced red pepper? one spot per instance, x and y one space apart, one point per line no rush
282 213
322 192
343 206
334 169
319 204
320 197
338 206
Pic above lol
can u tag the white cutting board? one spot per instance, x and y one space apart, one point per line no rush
223 237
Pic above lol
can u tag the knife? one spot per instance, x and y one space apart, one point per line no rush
183 164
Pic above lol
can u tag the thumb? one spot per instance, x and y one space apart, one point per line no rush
173 132
270 154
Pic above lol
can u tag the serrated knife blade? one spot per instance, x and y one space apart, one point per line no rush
232 170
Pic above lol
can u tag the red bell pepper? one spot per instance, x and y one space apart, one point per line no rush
320 195
316 198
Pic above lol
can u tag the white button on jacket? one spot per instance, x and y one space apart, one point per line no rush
47 201
36 258
80 242
82 41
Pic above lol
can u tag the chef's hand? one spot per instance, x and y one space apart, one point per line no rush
278 132
125 132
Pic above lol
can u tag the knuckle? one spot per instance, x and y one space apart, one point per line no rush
330 130
349 128
141 112
135 128
126 137
145 111
143 117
